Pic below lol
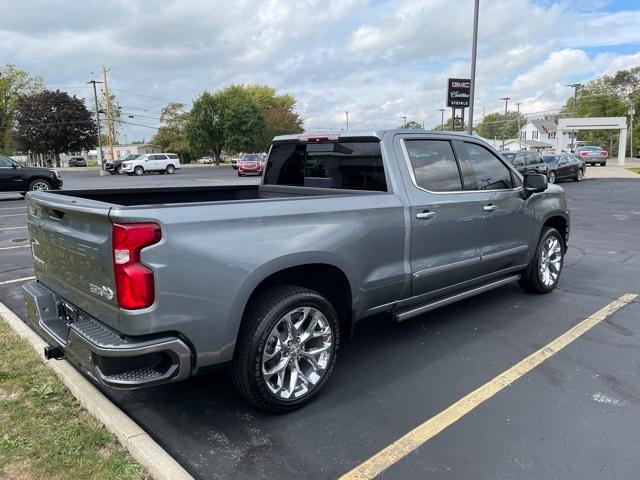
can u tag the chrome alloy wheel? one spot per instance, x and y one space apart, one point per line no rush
297 353
550 261
40 186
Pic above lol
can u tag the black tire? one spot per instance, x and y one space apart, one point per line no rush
603 164
39 184
138 171
579 175
531 278
119 169
551 176
240 174
170 169
260 318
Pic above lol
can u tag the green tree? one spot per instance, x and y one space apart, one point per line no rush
116 116
493 125
171 135
53 122
412 124
607 96
14 83
229 120
278 121
266 97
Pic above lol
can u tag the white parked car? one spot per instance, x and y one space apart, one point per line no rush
205 160
152 162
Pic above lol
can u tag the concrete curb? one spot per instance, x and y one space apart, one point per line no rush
140 445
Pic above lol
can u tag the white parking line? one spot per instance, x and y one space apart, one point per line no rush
14 215
13 208
15 246
2 229
17 280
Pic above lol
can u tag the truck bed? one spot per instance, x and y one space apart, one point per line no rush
176 195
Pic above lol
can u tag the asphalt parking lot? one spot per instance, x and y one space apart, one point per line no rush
577 415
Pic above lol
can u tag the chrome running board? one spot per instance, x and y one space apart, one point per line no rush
403 315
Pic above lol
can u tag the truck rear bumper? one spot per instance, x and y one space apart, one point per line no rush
106 355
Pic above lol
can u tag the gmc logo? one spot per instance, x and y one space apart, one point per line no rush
461 84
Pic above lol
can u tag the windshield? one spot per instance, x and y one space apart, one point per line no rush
509 156
130 157
251 157
550 159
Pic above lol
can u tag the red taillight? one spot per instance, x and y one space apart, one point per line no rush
134 281
584 154
604 153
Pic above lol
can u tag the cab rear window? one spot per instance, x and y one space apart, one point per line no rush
342 165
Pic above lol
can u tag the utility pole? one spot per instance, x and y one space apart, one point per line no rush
474 49
519 134
347 114
404 121
95 98
575 86
504 132
442 119
632 112
107 101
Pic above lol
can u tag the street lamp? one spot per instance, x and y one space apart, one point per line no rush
575 87
474 49
404 121
442 119
504 132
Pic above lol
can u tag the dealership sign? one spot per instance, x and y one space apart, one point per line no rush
458 92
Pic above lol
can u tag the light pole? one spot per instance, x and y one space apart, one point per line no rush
347 115
474 49
442 119
575 87
504 132
519 134
95 98
404 121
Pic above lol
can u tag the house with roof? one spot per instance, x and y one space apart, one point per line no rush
539 134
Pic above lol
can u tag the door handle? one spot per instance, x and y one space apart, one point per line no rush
489 208
427 215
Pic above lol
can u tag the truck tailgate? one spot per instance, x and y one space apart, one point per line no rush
73 252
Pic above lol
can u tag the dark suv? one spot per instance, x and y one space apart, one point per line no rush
15 177
115 166
530 162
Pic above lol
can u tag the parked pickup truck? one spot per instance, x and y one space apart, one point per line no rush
143 286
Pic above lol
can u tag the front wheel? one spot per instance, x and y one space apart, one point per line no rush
579 175
286 349
39 185
119 169
138 171
551 177
543 272
171 169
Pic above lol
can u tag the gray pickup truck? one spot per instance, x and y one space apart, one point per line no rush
145 286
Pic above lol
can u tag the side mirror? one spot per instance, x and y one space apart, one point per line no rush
535 183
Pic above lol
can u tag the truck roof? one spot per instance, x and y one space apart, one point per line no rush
354 134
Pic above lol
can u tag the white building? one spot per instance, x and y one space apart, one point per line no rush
539 134
121 151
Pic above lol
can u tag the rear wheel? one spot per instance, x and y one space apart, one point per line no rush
287 348
602 164
138 171
39 185
579 175
240 174
170 169
551 177
543 272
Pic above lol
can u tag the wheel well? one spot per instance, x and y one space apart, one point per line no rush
325 279
560 224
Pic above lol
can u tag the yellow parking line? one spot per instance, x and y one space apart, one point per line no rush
17 280
15 246
423 433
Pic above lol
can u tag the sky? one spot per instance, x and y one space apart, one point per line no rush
378 59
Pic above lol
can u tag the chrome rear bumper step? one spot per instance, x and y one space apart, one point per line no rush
403 315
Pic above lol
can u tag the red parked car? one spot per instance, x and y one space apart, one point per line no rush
250 163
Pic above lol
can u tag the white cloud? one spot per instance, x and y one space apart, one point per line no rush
379 59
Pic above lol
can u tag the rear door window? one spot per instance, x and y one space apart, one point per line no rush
489 171
343 165
434 165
